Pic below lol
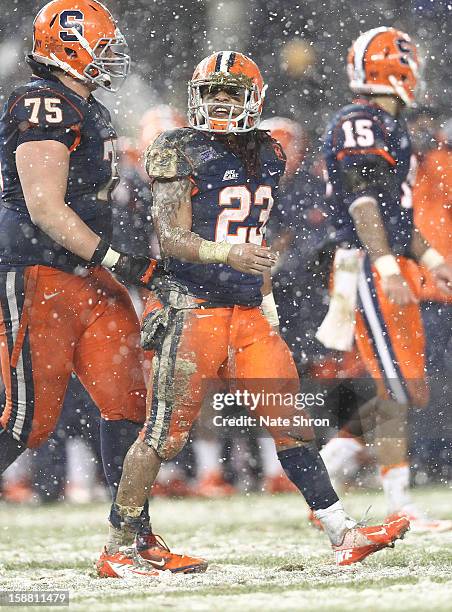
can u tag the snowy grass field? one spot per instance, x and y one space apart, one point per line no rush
263 556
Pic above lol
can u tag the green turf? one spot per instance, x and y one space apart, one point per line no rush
263 557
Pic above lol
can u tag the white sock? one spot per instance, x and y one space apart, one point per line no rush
270 462
335 522
396 483
167 472
207 456
341 458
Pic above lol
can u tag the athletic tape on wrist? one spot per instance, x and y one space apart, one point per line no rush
214 252
431 258
269 309
111 258
387 266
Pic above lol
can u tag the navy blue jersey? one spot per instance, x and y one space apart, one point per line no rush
45 109
299 284
368 153
228 204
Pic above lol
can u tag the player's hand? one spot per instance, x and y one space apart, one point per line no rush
137 270
443 277
251 258
398 291
134 269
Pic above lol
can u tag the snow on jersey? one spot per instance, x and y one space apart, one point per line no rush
45 109
368 153
227 205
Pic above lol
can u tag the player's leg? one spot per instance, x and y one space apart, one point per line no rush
36 355
190 352
297 450
108 362
391 343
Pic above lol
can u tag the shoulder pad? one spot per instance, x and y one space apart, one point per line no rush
45 107
362 131
165 157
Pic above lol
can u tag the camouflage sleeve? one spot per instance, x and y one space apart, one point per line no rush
163 159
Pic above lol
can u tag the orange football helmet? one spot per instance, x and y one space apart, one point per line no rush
291 136
231 69
384 61
81 38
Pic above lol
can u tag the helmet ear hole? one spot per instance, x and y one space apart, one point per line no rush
71 53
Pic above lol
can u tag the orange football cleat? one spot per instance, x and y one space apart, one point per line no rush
177 487
360 542
213 485
124 564
154 550
421 523
17 492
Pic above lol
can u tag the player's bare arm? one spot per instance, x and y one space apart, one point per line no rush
172 215
370 229
433 260
43 168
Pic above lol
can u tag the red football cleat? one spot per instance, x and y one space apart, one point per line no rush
124 564
421 523
213 485
153 548
360 542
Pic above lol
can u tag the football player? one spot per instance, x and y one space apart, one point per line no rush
214 185
61 309
371 173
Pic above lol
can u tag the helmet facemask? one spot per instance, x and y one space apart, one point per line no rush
108 67
111 62
200 112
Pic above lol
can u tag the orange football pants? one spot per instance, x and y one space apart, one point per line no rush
53 323
390 338
202 346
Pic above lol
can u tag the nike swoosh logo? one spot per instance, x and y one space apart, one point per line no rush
125 570
49 296
203 316
273 173
160 563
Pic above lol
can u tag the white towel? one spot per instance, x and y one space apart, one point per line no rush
338 327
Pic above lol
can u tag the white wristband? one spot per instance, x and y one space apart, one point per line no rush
269 310
387 266
214 252
111 258
431 258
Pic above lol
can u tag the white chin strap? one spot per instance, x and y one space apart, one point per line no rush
66 68
400 90
102 80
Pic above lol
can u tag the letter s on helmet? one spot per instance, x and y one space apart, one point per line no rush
384 61
233 69
81 38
